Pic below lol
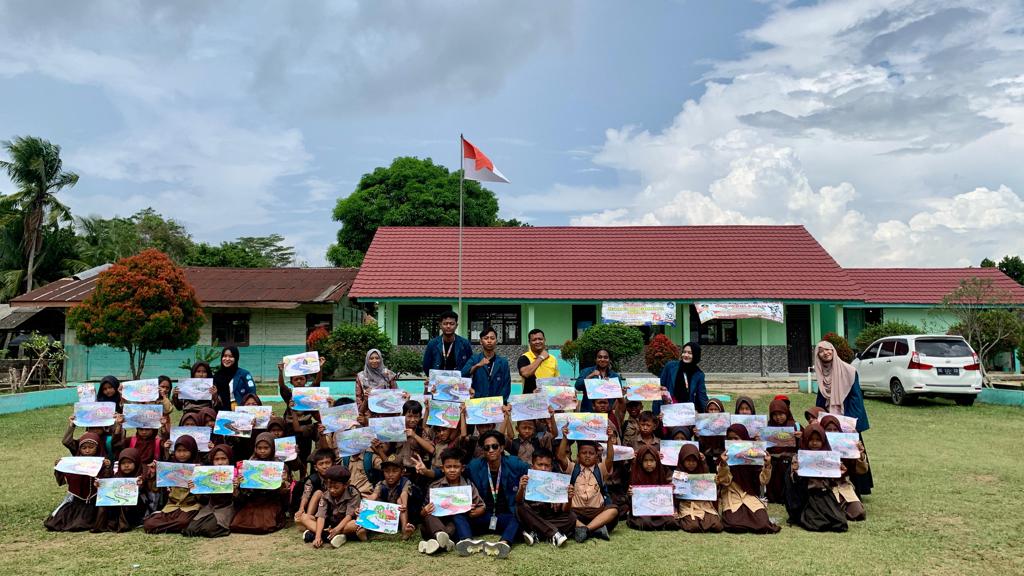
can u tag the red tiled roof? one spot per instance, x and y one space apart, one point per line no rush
222 287
925 285
612 263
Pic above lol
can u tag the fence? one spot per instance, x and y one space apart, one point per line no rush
14 371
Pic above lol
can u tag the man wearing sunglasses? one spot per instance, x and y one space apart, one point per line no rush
496 476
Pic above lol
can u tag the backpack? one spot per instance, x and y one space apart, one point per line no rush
597 476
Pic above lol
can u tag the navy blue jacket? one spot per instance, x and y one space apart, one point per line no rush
499 383
432 358
586 405
853 405
242 385
698 392
512 469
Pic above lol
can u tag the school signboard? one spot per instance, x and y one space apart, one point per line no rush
639 313
708 311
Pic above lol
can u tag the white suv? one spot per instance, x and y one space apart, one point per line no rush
905 367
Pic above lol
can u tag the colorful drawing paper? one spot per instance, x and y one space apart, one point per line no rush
81 465
643 389
444 414
694 486
745 452
386 401
712 424
262 475
213 479
86 392
669 450
434 375
754 423
378 516
528 407
173 474
285 449
653 501
554 381
301 364
140 390
142 415
485 410
846 423
818 464
451 500
117 492
598 388
845 443
335 418
94 414
310 398
201 434
682 414
233 424
261 415
779 436
622 453
585 426
549 487
389 428
451 389
560 398
195 389
422 399
354 441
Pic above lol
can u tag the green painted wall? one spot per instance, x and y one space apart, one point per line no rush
750 333
828 318
555 320
929 319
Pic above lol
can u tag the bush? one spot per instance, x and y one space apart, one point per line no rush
568 353
405 361
873 332
315 337
842 346
659 352
345 349
622 341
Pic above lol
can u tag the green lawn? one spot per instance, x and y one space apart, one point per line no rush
947 501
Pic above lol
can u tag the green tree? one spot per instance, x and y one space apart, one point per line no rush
873 332
35 167
103 240
1013 267
979 307
57 259
345 349
410 192
246 252
621 340
988 263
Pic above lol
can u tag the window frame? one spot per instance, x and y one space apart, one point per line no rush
699 332
431 311
482 315
216 324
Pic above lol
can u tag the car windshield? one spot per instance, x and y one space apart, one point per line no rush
943 347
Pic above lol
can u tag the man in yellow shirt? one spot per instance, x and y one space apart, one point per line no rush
536 362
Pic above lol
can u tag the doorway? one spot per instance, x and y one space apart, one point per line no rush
798 337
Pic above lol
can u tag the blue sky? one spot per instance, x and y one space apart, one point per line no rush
890 129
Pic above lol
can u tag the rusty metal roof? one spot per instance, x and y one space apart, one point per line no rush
223 287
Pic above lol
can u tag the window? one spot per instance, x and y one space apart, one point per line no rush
314 320
872 351
872 316
722 332
888 349
902 348
506 321
944 347
650 332
418 324
230 329
583 316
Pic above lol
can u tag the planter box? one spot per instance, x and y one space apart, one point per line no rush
12 403
1002 397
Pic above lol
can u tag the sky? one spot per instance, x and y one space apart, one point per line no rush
891 129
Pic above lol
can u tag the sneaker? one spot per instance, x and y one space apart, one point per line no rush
558 540
530 538
429 547
308 537
581 534
469 547
602 533
444 541
338 540
499 549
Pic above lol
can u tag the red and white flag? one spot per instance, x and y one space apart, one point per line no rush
477 166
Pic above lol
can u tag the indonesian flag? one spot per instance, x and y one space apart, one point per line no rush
477 166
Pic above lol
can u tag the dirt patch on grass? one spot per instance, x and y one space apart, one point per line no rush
985 479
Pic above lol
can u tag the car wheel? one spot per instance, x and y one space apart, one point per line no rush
965 400
898 394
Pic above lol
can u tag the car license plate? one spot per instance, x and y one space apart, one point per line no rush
948 371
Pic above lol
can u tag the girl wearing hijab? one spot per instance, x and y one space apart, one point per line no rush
647 470
844 491
373 376
739 487
601 370
839 393
110 391
745 405
77 512
182 505
124 518
810 501
199 370
214 517
779 415
232 382
695 515
684 380
712 447
261 511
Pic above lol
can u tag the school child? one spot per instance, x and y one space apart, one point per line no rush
77 511
312 487
101 432
810 501
335 518
813 413
217 510
123 518
303 423
745 405
844 490
712 447
242 446
110 391
540 520
526 440
595 513
416 442
261 511
397 489
647 470
437 532
779 415
182 505
695 515
630 426
647 424
199 370
739 487
164 397
617 480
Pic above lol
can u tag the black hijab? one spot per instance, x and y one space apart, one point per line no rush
687 369
116 398
224 376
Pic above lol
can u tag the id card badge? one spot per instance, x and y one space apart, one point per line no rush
494 523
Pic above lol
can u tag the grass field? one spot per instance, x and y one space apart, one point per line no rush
948 484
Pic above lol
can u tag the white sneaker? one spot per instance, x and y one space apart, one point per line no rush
530 538
558 540
444 541
429 546
468 547
338 540
498 549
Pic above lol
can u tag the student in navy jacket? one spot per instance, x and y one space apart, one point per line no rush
602 369
490 372
684 380
449 351
496 476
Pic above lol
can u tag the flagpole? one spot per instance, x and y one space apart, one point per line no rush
462 176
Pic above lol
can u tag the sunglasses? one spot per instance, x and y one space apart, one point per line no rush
491 447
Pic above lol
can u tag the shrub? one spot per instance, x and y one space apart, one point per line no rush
568 353
405 361
315 336
621 340
873 332
345 349
659 352
842 346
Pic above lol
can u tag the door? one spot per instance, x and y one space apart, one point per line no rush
885 365
798 337
867 368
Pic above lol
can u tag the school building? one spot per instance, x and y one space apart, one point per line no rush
557 279
266 312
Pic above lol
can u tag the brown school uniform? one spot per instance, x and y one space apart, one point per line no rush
742 510
587 500
696 515
432 524
334 510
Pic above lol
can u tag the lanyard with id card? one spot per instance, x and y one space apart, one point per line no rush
494 498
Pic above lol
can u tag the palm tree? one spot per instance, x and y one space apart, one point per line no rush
36 169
